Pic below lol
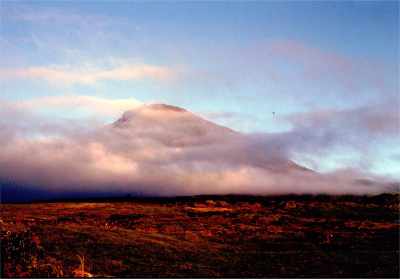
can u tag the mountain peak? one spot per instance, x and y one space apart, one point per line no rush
165 107
151 111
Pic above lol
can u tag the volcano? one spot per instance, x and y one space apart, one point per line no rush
155 149
172 126
177 128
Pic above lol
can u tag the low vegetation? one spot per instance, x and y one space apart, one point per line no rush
213 236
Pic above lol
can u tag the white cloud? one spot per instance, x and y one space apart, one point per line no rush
97 105
66 75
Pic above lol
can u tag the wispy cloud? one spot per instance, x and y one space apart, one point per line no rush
296 70
66 75
321 65
97 105
46 15
363 131
371 121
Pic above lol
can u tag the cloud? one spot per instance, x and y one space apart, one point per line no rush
288 70
351 137
97 105
52 15
359 127
320 132
80 75
317 65
164 150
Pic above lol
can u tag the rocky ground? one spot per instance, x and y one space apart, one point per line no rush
214 236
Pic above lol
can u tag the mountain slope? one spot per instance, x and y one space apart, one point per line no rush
174 127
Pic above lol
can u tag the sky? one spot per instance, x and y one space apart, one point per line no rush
324 72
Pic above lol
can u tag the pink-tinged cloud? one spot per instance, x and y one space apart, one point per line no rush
164 150
352 74
292 70
95 105
82 75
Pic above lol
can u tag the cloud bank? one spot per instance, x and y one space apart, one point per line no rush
165 150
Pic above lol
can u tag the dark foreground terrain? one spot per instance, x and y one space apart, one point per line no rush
228 236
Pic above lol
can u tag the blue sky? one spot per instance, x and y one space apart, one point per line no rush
232 62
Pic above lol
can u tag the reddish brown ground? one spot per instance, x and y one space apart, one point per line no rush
219 236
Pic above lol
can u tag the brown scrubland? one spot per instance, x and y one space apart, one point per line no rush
203 236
